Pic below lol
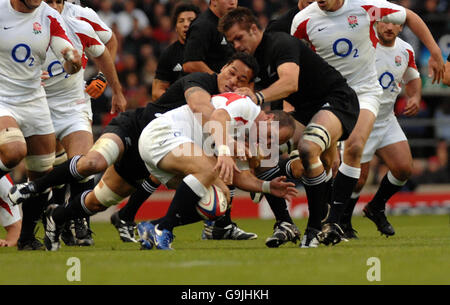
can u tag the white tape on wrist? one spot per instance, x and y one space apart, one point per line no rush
224 150
266 187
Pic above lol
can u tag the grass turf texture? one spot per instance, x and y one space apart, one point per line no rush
419 253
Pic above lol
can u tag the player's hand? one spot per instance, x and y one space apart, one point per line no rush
226 166
412 107
248 92
118 103
44 76
282 189
73 60
436 67
96 86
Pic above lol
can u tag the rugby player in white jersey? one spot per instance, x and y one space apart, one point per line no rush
395 67
342 33
28 29
70 105
10 217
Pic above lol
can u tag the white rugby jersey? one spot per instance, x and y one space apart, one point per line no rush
90 16
24 40
60 84
394 65
242 110
346 38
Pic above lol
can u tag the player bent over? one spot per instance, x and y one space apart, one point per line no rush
163 144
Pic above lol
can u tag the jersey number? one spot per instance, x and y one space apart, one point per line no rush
22 53
344 47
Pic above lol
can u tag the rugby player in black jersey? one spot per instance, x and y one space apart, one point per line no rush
324 103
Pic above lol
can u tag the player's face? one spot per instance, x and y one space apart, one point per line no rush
330 5
233 76
56 4
304 3
183 22
387 32
32 4
224 6
241 39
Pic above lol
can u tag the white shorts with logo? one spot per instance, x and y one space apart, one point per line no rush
73 116
33 117
159 137
384 133
9 213
370 101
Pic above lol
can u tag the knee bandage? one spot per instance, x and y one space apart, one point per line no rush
9 135
106 196
108 148
318 134
60 158
39 163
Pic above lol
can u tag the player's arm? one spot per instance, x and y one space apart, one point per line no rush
112 46
12 234
286 84
159 87
199 100
436 66
413 92
246 181
105 64
446 80
218 129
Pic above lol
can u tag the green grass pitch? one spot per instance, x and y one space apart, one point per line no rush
419 253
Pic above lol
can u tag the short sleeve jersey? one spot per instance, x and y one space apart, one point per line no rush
346 38
317 78
205 43
24 40
61 84
90 16
170 64
395 65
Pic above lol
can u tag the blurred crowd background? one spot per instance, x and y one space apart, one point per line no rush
144 29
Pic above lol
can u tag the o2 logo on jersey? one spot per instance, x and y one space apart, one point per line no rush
386 81
56 68
343 47
21 53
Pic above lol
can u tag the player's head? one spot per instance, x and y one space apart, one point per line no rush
283 131
330 5
182 17
304 3
31 4
56 4
241 29
387 32
240 71
221 7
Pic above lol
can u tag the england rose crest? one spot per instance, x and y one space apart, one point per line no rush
37 28
352 21
398 61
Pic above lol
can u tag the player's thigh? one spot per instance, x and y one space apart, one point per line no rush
77 143
397 156
362 129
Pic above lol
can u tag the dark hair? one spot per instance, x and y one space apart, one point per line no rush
284 118
248 60
241 15
183 7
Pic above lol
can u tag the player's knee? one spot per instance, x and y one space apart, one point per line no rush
105 197
91 165
13 154
297 169
309 154
402 173
354 149
39 163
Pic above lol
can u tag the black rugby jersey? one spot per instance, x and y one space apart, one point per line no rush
170 64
